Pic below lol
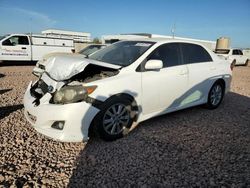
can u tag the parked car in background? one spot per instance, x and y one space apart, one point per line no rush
90 49
40 65
234 55
127 82
21 47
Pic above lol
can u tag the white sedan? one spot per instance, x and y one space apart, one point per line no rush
125 83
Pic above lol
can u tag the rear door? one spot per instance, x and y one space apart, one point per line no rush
16 48
201 70
163 89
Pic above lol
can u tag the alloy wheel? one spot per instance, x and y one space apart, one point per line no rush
115 119
216 95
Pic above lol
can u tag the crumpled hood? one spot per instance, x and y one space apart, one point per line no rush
62 54
64 67
46 56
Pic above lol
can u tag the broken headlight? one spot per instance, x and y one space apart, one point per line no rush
71 94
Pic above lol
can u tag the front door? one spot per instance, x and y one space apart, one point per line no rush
163 89
16 48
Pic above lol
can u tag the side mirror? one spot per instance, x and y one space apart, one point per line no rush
153 64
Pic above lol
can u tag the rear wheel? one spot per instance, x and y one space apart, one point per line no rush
114 119
215 95
247 61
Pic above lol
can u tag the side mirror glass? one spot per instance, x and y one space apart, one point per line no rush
153 64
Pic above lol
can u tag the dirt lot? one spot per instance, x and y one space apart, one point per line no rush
191 148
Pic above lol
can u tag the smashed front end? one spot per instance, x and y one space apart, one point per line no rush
59 105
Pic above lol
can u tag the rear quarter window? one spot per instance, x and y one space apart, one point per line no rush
193 53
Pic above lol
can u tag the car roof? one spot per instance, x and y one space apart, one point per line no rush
148 39
163 40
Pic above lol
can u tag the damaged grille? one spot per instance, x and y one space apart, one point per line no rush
43 86
39 89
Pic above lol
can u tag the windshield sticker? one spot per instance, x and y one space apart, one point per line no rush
142 44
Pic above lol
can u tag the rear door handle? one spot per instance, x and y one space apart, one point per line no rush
23 48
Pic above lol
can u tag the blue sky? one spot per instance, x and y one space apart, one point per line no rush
201 19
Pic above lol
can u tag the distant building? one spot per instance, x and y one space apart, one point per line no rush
76 36
109 39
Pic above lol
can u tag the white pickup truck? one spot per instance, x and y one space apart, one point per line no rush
235 56
22 47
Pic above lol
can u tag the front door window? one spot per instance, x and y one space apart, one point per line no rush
16 40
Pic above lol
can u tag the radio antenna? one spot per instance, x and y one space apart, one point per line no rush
173 30
30 25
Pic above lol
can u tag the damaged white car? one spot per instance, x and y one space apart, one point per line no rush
124 83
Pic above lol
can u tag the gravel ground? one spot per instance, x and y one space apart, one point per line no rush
191 148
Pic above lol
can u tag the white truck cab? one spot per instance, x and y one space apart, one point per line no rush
15 47
23 47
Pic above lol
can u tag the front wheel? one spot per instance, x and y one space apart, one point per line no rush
215 95
115 117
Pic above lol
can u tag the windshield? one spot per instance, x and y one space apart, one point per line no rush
122 53
91 49
2 37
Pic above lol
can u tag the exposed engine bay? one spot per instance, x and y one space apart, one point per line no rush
92 73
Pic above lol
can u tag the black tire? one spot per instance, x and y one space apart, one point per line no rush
211 104
107 107
246 64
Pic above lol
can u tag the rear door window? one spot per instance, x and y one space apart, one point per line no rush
193 53
168 53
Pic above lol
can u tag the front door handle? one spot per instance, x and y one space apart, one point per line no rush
212 68
183 72
23 48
